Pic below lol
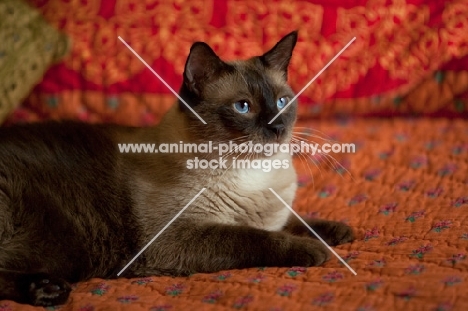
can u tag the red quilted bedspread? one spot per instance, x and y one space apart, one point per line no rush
409 57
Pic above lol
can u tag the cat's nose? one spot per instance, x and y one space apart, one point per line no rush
278 129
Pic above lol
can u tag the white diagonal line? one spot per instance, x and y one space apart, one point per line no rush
312 230
313 79
161 79
160 232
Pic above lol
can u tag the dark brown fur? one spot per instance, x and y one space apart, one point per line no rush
72 207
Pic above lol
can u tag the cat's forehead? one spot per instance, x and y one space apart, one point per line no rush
250 76
255 68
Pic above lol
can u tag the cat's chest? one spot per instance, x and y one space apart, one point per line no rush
254 202
256 181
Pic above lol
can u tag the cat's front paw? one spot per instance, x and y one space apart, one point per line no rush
46 290
333 232
306 252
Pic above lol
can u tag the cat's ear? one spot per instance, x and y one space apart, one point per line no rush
201 67
279 56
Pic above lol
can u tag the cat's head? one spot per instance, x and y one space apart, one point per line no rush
239 98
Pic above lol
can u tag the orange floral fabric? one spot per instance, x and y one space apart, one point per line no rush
404 191
399 45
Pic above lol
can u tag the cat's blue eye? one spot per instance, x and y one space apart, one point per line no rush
242 106
281 102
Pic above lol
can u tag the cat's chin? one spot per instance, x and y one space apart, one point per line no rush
272 140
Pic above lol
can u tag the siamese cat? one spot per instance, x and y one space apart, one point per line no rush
73 207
